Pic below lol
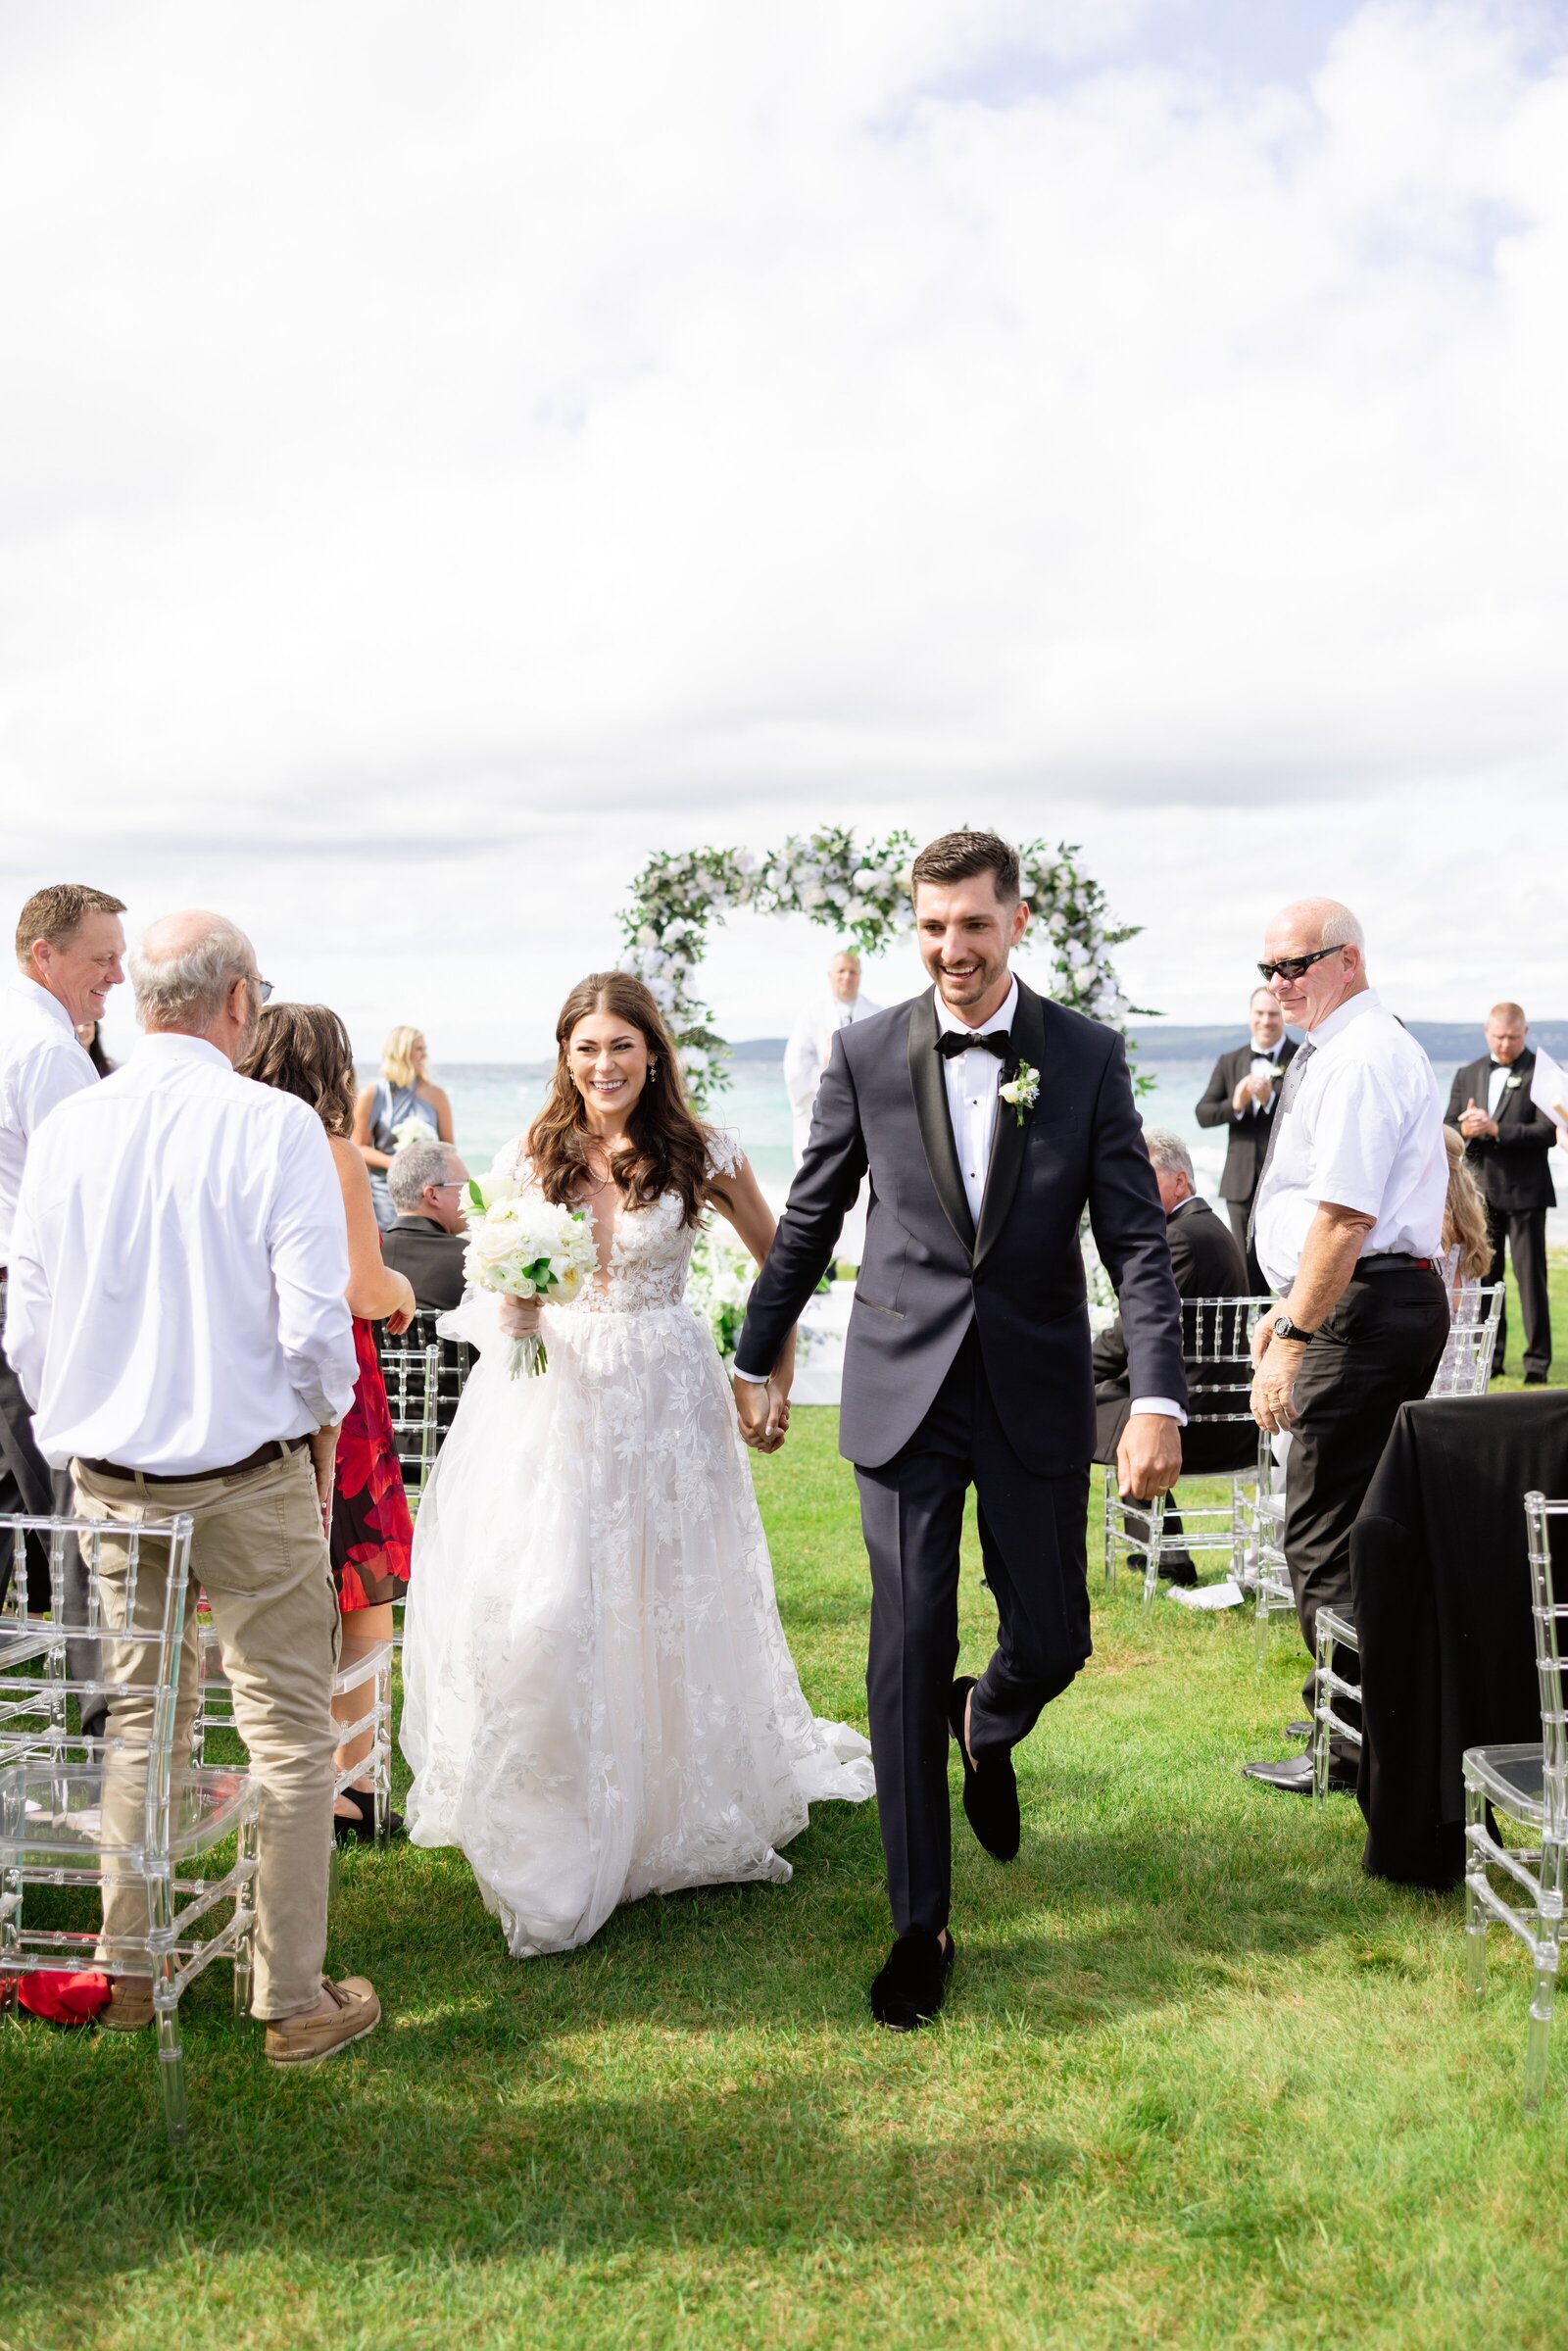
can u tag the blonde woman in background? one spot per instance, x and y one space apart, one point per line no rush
385 1114
1466 1236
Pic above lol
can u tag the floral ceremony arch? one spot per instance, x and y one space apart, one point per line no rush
859 890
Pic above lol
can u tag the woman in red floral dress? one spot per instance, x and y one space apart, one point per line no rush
304 1050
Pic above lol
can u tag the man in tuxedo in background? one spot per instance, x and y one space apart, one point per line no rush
1506 1139
428 1241
810 1040
1206 1263
988 1119
1241 1096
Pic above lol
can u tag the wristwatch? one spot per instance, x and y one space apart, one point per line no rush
1283 1328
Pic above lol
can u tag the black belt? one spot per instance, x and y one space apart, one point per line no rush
1389 1260
277 1448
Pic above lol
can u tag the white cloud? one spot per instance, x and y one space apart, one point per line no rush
444 458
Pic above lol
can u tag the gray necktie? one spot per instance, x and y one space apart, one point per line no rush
1289 1087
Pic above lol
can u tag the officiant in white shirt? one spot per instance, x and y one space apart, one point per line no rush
811 1040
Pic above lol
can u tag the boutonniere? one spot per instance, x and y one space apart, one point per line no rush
1273 1071
1021 1091
1510 1085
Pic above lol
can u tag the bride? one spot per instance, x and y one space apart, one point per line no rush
599 1699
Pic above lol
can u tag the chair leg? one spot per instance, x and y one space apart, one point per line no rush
1475 1916
1154 1539
1322 1715
384 1755
171 2076
245 1948
1110 1555
1539 2035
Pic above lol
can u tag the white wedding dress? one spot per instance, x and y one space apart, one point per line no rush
599 1700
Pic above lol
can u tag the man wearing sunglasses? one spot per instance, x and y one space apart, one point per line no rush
1348 1225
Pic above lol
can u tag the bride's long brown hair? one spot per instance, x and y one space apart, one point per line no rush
669 1148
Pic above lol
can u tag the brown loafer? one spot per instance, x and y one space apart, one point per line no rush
130 2005
306 2039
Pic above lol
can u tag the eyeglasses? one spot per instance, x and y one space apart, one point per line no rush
266 988
1291 967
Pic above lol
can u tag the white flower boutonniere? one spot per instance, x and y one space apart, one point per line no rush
1274 1070
1022 1091
1511 1085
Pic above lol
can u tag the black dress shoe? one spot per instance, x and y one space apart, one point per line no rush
1535 1379
911 1986
990 1789
1299 1730
1295 1776
1176 1567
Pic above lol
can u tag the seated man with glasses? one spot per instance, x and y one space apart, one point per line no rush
427 1180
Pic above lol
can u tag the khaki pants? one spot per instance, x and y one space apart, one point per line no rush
259 1552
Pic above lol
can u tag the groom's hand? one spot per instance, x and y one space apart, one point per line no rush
764 1416
1148 1458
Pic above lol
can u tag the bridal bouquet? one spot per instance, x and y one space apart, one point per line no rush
525 1247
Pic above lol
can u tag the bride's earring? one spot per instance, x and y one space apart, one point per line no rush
652 1069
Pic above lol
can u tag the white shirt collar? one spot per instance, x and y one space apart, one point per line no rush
33 992
1267 1052
1340 1019
1001 1018
160 1043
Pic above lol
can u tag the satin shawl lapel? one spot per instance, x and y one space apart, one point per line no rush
1010 1133
936 1127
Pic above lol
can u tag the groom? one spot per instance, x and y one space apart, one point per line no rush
967 1361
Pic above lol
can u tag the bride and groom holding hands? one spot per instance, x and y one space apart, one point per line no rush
600 1700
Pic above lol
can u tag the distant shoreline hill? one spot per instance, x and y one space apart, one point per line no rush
1447 1042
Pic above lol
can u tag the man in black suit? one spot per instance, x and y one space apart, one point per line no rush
426 1242
988 1119
1242 1095
1206 1263
1507 1140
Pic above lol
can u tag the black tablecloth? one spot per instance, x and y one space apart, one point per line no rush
1440 1578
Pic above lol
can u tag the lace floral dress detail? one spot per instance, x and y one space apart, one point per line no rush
600 1702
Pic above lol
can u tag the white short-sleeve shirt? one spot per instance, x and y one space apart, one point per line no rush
1363 1132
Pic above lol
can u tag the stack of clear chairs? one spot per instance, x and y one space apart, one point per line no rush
1465 1370
1528 1785
1217 1350
411 1368
76 1812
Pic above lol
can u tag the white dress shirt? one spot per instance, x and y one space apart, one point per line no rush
806 1056
42 1062
1363 1132
1496 1082
178 1268
1263 1066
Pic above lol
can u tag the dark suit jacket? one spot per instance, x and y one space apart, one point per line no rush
1207 1262
430 1256
1513 1172
1248 1135
927 1274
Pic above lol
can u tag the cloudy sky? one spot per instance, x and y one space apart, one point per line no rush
447 454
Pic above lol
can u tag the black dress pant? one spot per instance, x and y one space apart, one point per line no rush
1521 1233
1377 1350
1032 1533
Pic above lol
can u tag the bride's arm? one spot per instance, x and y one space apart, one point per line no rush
737 1197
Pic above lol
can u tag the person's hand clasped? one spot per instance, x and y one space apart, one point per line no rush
1273 1397
1475 1125
763 1414
1148 1458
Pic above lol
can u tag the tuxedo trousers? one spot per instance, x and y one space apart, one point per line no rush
1032 1533
1521 1233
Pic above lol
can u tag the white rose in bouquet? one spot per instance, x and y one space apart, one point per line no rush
412 1130
525 1248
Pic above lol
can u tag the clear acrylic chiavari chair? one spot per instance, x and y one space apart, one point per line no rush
1217 1350
75 1814
1527 1785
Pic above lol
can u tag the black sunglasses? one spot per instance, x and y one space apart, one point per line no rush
1291 967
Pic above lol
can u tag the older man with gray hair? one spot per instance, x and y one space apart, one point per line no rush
426 1242
179 1325
1348 1225
1207 1262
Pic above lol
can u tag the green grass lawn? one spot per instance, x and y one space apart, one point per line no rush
1199 2081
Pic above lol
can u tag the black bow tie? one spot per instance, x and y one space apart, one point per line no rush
953 1042
1502 1064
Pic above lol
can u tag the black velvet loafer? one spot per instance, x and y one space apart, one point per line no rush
911 1986
990 1789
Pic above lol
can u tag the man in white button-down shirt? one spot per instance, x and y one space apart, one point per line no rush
1349 1224
69 950
178 1321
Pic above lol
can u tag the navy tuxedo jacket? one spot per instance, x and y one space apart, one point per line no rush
928 1274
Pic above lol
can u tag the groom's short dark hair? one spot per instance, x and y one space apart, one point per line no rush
959 857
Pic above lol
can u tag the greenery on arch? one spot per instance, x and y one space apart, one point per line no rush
859 890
